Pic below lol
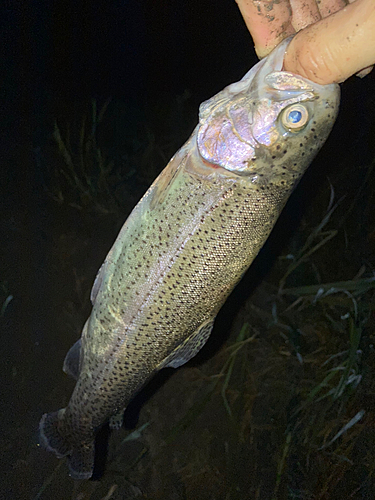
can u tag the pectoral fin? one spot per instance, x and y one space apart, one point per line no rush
72 361
162 184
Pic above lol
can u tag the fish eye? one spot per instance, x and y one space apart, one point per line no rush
294 117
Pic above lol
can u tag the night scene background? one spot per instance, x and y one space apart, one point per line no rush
95 98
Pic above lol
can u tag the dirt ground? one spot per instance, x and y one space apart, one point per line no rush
278 405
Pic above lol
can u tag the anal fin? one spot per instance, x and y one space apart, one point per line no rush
71 361
190 347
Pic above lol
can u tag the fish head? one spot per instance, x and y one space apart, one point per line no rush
271 120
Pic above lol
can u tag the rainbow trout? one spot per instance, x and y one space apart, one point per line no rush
187 244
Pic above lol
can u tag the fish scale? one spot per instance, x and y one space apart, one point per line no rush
186 245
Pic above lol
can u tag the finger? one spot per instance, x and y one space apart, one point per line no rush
304 13
269 22
336 47
310 11
328 7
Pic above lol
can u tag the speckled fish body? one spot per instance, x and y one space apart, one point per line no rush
187 244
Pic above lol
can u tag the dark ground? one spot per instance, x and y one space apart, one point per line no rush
254 415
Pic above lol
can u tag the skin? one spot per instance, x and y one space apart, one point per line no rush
335 39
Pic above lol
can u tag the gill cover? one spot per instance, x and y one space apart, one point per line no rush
266 105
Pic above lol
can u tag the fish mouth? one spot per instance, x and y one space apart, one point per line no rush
288 84
270 81
271 78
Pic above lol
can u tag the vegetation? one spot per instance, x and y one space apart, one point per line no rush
87 176
285 408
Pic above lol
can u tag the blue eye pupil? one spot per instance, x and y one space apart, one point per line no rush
295 116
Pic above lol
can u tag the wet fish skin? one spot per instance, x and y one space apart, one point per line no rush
187 244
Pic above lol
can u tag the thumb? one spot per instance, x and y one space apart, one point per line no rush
336 47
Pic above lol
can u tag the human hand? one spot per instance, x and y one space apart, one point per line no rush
337 40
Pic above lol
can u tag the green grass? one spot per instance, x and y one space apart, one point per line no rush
285 409
85 175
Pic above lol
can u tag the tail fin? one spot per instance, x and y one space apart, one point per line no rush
51 433
81 461
80 455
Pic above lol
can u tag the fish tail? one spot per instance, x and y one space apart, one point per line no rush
52 437
81 461
51 432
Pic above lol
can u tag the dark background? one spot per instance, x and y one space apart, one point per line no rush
55 58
